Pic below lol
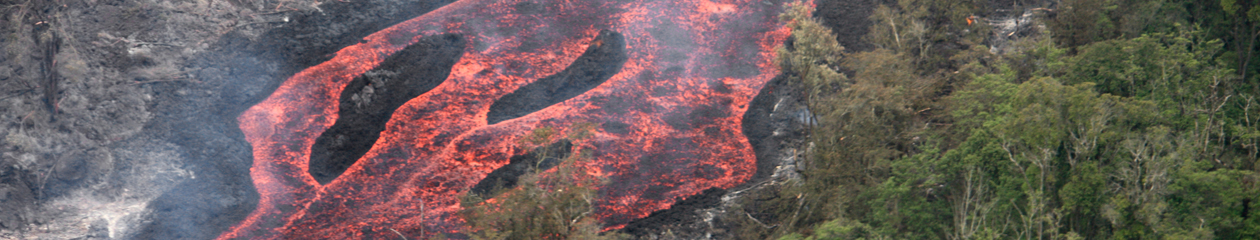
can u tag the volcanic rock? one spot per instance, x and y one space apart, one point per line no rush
368 101
601 61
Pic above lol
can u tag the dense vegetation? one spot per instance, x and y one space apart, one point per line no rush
1120 119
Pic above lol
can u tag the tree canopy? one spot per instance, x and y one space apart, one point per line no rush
1119 119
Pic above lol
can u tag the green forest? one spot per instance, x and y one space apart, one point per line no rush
1101 119
1111 119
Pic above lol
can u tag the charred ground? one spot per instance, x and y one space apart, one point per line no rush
145 94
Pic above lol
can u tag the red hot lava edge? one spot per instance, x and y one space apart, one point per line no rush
438 145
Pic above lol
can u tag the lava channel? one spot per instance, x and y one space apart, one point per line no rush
670 116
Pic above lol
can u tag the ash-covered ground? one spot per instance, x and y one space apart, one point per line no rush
118 116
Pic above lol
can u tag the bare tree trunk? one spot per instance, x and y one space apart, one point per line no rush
972 207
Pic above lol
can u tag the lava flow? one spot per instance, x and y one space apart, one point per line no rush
671 117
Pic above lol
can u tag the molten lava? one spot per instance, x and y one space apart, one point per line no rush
670 117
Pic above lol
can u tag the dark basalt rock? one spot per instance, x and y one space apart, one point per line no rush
506 177
682 212
603 59
368 101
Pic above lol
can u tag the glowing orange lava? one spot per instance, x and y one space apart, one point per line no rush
693 67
